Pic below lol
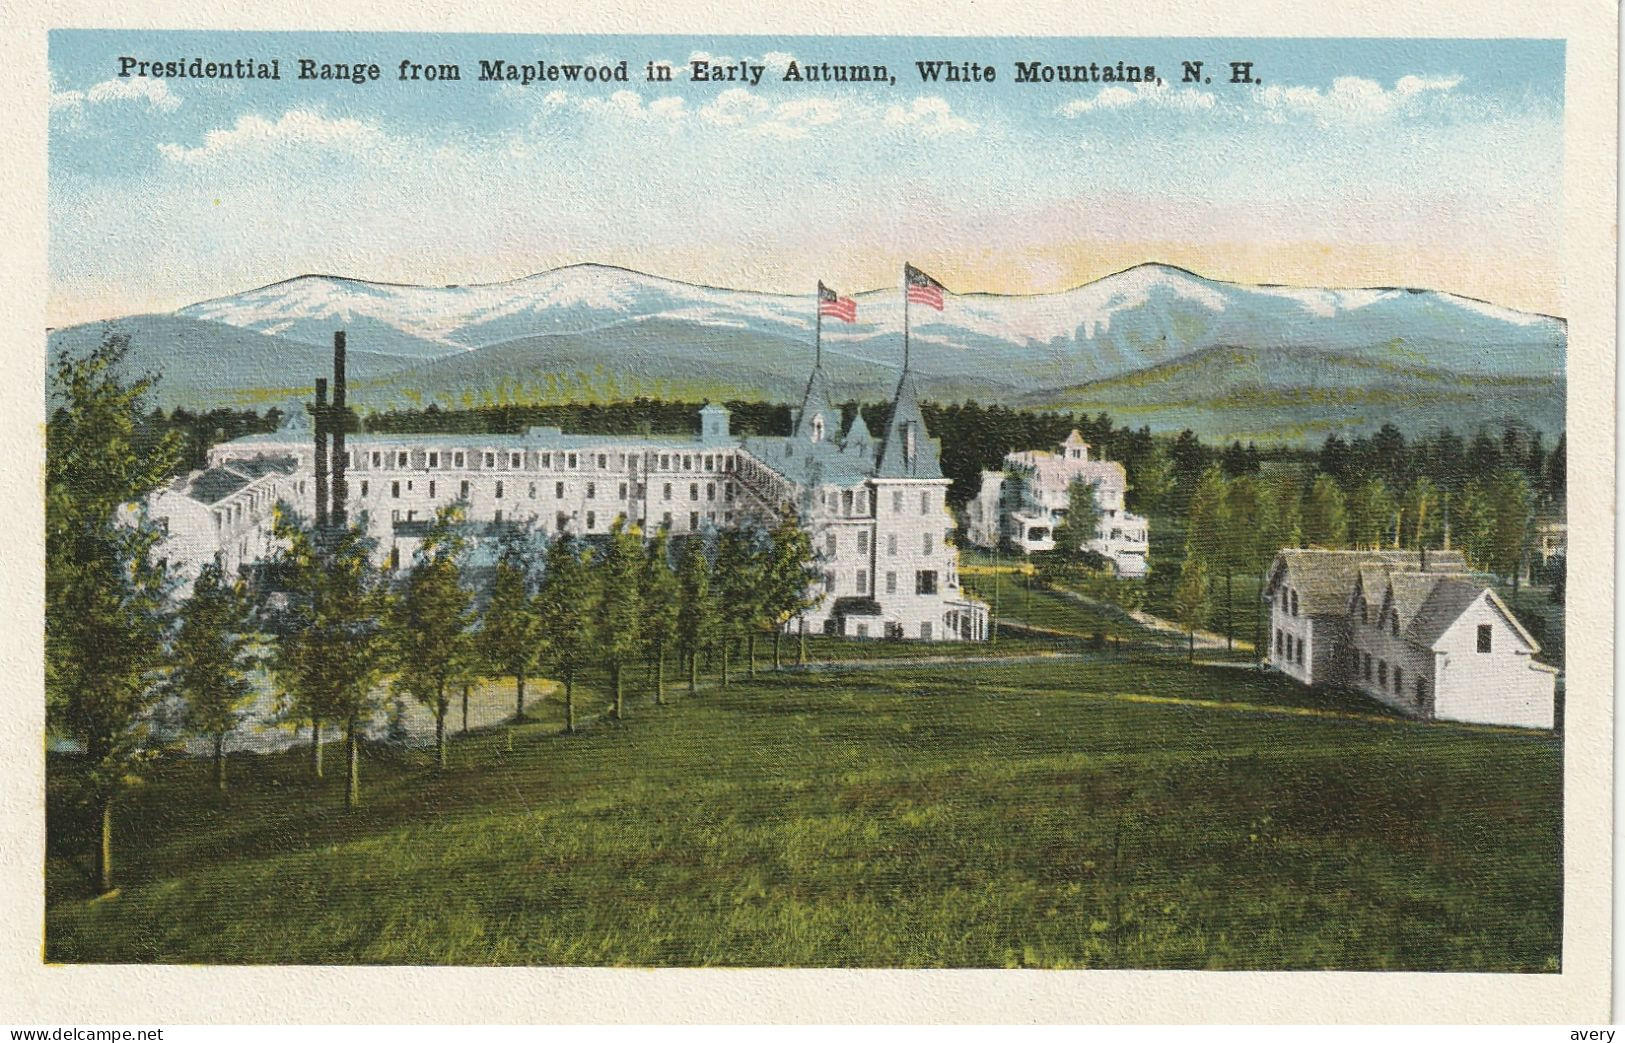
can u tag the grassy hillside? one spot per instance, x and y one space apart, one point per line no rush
1053 812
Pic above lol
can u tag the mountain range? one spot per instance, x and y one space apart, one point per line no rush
1153 344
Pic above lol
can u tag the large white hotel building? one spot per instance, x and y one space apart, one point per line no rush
874 507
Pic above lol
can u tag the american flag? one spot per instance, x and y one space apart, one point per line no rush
835 306
922 289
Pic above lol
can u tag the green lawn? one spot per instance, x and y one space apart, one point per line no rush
1048 813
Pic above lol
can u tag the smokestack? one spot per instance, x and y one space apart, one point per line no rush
341 422
320 412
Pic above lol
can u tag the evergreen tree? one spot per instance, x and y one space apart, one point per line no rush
1325 515
1191 604
791 579
615 631
658 598
739 575
210 659
511 632
568 599
1424 515
105 599
1372 514
1151 481
696 615
1081 524
1512 509
332 631
431 623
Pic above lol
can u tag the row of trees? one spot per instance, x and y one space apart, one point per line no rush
1235 526
335 631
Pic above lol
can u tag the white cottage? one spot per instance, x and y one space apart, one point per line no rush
1418 633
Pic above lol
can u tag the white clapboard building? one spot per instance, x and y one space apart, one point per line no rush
1415 631
874 507
1021 505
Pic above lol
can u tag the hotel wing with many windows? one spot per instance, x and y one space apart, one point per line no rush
875 508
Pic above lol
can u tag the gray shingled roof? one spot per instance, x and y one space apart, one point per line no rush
1326 579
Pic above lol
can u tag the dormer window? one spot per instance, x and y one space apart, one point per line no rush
818 428
908 442
1294 602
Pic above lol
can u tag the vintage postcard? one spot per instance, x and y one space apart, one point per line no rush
916 499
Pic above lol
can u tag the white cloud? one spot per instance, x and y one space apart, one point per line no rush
931 116
295 128
155 93
1351 99
1148 95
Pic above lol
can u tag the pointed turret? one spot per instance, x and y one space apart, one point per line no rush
857 440
907 451
819 418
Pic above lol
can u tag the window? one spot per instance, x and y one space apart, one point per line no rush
830 545
622 493
363 487
516 460
710 490
1300 651
891 582
925 502
1294 602
571 462
891 545
925 629
665 461
665 519
863 629
462 489
897 501
1382 672
846 501
665 492
863 543
434 459
829 582
457 460
592 490
1278 642
562 520
558 490
1421 691
862 581
925 581
547 459
489 459
728 492
694 491
499 490
1283 599
498 517
395 490
1393 623
533 490
926 540
1365 611
1399 680
603 462
1484 637
694 520
400 459
377 459
394 557
709 461
1367 667
592 521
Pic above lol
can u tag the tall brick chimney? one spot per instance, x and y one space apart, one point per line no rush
341 422
319 410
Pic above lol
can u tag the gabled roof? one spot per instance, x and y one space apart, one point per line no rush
894 461
858 439
1452 596
1326 580
215 484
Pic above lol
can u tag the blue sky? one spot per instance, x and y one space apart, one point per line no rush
1353 162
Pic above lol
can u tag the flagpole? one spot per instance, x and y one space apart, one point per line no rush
818 336
905 318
